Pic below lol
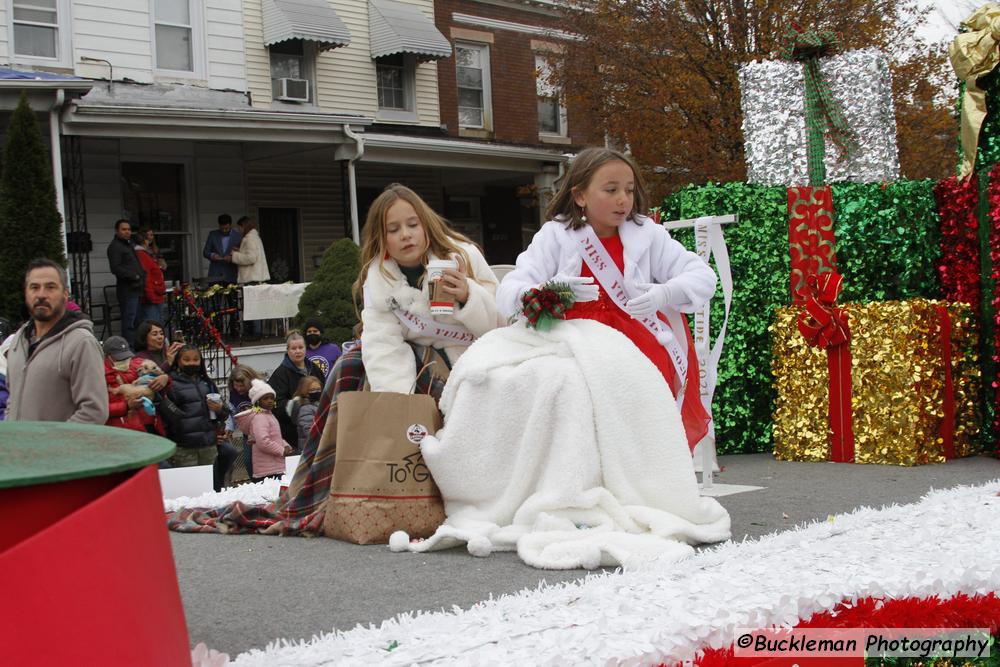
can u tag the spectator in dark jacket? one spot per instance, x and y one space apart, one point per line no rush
131 278
218 250
285 380
303 407
191 414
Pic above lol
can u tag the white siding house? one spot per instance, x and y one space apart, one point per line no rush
180 123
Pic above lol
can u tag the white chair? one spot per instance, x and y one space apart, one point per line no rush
500 270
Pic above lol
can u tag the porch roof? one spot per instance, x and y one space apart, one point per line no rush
396 27
13 78
41 87
422 150
225 117
308 20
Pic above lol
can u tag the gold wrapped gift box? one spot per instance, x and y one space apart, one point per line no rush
898 384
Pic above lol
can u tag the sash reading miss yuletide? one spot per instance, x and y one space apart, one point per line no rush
607 273
673 334
453 334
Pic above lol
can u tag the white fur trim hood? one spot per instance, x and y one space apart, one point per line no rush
387 358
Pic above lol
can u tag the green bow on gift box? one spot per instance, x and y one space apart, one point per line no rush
823 114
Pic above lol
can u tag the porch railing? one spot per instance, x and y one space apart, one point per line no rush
210 320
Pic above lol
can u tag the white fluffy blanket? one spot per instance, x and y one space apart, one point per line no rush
568 447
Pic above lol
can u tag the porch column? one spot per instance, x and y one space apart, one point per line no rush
545 181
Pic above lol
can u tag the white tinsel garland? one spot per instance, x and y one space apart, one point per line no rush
943 545
259 493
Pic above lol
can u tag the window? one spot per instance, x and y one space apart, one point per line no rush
174 33
392 83
36 29
551 112
153 195
473 75
291 59
396 85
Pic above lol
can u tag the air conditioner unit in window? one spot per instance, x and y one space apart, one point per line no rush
293 90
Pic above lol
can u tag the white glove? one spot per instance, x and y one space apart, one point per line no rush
584 289
655 299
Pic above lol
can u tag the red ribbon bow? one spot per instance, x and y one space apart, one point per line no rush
822 323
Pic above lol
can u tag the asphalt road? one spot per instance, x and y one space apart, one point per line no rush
242 591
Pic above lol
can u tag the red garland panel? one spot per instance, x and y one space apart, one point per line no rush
961 611
994 216
959 268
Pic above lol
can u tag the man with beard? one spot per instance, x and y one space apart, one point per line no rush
55 368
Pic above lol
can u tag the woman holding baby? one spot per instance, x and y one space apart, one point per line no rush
133 383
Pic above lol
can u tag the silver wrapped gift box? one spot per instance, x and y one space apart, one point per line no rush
774 120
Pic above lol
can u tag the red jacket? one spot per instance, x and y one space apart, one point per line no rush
154 290
118 405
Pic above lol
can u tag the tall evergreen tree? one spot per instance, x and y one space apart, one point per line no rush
30 225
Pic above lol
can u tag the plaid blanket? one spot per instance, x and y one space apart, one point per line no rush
300 508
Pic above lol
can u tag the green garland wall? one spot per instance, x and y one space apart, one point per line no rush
887 248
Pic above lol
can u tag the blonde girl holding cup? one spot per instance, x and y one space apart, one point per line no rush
402 237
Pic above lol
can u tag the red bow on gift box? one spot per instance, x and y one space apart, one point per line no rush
822 324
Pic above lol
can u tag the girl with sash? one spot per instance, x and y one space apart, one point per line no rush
403 347
399 341
402 234
625 271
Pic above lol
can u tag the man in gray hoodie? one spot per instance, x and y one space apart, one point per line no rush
55 367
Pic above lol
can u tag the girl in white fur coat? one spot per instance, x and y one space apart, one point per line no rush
599 204
402 234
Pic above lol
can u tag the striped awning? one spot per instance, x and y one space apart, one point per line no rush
396 27
308 20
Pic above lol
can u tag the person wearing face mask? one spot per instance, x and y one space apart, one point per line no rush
192 410
302 408
121 369
318 351
285 379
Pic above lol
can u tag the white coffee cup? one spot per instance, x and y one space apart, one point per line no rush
214 398
441 303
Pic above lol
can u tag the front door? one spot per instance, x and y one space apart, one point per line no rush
153 196
502 217
279 232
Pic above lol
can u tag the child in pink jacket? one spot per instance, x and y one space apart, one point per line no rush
263 433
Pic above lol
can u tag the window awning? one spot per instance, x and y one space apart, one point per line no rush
308 20
396 27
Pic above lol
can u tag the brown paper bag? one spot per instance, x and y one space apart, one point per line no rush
380 482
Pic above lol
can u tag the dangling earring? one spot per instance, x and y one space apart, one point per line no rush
583 214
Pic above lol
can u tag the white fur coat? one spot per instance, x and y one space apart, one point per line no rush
651 256
568 447
251 260
387 358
